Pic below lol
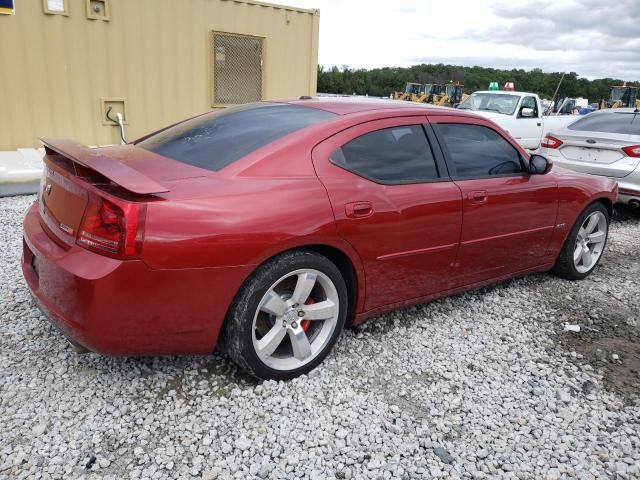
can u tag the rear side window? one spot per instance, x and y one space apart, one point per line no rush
477 152
217 139
391 155
617 122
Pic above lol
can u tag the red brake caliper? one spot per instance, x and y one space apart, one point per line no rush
305 324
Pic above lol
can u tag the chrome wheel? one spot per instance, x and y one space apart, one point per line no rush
590 241
295 319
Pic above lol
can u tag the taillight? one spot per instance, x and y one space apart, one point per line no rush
632 151
110 227
550 142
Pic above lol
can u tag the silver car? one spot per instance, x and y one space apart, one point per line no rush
605 142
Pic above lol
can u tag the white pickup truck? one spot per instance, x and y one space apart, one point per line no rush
519 113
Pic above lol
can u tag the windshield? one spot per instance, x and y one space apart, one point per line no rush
616 94
491 102
219 138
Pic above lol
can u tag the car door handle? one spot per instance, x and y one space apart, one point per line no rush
358 209
539 124
478 196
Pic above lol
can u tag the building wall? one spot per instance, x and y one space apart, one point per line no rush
56 69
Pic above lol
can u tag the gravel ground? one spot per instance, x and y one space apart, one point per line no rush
485 384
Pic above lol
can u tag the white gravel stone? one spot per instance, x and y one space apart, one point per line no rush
478 378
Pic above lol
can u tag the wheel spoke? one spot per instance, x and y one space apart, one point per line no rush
305 284
577 254
320 311
596 237
582 234
299 342
587 259
592 223
268 344
273 304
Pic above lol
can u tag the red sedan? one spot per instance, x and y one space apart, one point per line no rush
266 228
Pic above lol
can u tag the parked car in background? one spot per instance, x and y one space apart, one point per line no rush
607 143
265 228
519 113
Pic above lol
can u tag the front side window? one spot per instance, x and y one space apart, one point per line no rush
219 138
530 102
475 151
616 122
394 155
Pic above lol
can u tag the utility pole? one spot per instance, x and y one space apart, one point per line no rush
557 88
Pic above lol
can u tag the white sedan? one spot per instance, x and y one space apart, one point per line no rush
606 143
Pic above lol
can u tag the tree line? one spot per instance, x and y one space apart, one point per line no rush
380 82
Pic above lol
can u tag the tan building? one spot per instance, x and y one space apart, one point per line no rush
67 65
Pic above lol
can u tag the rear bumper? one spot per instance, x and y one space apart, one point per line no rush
116 307
629 189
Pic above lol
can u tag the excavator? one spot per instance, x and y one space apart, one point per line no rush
621 96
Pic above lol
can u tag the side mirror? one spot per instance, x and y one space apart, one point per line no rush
526 112
539 165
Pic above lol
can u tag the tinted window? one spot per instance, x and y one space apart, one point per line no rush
392 155
478 151
617 122
215 140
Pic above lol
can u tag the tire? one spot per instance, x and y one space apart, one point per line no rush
566 265
265 329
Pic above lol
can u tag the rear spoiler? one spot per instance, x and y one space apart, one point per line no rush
113 169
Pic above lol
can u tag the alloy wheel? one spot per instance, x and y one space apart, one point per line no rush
590 241
295 319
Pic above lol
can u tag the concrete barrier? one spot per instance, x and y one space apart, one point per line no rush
20 171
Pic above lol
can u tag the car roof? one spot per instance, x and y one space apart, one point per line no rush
616 110
348 105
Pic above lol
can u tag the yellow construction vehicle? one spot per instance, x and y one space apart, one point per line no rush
433 93
410 90
621 96
450 95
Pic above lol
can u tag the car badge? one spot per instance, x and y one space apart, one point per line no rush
591 140
66 228
48 189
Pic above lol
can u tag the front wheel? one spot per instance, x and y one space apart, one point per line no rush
585 244
287 317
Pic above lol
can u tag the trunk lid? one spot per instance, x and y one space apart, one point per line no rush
73 172
597 153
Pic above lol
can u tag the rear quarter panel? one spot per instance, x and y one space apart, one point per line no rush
241 221
246 219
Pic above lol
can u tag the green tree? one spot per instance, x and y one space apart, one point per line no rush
380 82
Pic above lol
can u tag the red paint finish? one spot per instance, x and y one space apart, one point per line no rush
203 233
409 242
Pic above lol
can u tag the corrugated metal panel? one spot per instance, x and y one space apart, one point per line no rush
55 69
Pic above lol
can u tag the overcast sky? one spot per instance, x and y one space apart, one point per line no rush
594 38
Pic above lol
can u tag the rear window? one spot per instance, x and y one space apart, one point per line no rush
617 122
217 139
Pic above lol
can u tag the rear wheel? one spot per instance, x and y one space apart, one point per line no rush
585 244
287 316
